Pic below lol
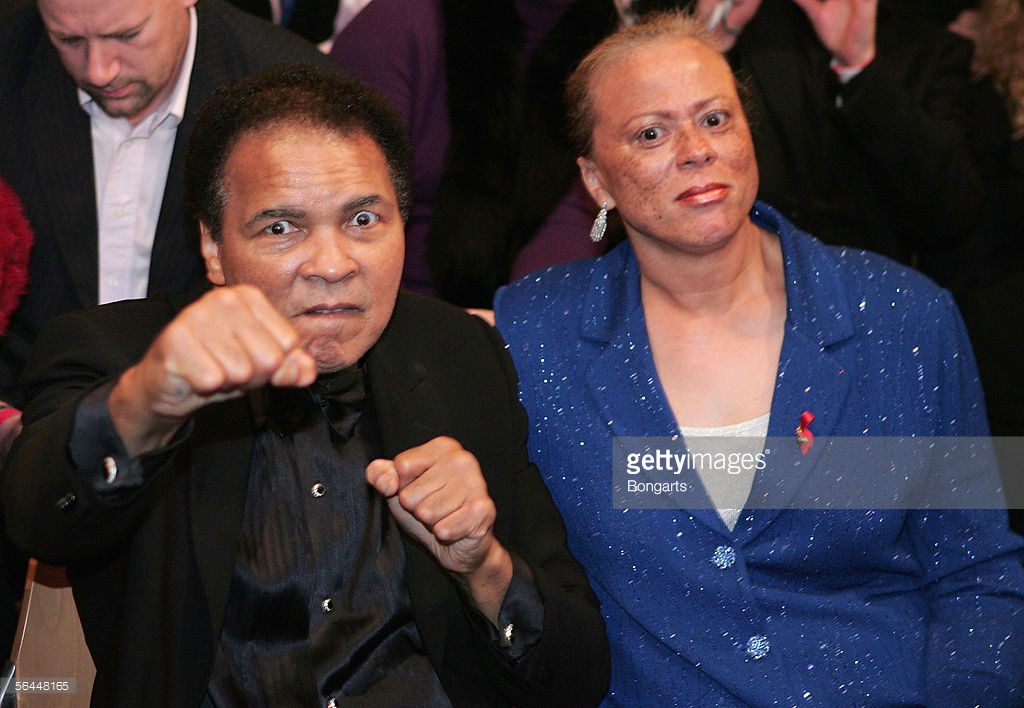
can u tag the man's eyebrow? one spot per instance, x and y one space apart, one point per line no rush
65 36
275 213
368 200
121 33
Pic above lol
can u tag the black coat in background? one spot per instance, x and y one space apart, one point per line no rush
881 163
312 19
151 569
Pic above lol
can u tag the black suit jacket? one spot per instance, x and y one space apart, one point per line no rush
152 567
46 158
312 19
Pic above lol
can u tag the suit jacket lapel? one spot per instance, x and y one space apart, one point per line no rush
176 264
62 148
406 405
218 485
404 399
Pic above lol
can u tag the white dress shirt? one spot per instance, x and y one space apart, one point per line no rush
131 164
347 10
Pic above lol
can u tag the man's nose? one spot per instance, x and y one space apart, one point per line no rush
102 64
328 257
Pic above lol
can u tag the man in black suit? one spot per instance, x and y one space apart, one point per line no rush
860 121
300 487
81 82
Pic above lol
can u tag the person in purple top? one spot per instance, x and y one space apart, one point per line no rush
495 191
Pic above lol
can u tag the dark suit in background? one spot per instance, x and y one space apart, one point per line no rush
882 162
312 19
151 570
46 157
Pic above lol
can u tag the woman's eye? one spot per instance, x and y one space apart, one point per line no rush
364 218
280 228
648 135
714 120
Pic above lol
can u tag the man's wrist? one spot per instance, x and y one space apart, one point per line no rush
847 71
488 584
140 429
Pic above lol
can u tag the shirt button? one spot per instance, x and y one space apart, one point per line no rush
724 557
318 490
758 646
109 469
327 605
67 502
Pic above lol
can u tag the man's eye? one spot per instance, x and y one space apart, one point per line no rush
364 218
280 228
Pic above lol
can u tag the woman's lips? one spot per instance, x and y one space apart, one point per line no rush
704 194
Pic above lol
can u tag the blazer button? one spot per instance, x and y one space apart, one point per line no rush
724 557
67 502
758 646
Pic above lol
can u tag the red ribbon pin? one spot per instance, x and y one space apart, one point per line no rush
804 436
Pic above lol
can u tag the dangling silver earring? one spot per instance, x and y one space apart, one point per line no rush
600 224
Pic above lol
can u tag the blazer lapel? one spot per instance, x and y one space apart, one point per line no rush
624 370
808 380
809 377
62 148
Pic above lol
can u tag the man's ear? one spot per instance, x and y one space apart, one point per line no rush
593 182
211 255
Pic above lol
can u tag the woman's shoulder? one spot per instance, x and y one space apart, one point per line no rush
844 278
558 291
888 288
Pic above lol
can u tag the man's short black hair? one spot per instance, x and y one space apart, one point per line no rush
291 93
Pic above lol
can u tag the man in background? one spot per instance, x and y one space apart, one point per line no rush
101 96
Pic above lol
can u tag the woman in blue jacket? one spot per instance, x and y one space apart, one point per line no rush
718 318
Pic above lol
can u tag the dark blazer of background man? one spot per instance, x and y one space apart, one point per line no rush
46 157
144 431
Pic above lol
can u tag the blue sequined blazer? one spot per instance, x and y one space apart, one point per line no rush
876 607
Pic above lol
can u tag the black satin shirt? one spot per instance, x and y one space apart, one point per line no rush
318 608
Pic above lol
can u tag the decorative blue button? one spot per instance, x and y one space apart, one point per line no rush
724 557
758 646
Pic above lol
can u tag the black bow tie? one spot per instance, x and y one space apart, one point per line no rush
339 396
